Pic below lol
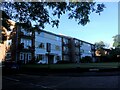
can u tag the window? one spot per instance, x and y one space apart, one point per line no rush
29 56
26 32
48 47
26 42
36 44
65 49
8 55
58 58
65 41
57 47
82 51
21 56
58 38
41 45
81 42
40 57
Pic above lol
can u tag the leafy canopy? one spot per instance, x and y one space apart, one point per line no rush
39 12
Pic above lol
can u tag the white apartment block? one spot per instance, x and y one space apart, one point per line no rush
44 41
85 49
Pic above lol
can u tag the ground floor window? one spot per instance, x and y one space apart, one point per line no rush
29 56
39 57
21 56
25 56
58 58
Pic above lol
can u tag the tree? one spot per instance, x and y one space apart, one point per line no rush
39 12
116 43
99 44
5 27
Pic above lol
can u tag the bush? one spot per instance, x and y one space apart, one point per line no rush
86 59
63 62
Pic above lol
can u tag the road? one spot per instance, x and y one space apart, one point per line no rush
86 80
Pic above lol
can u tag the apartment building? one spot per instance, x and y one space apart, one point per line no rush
48 47
74 49
45 47
87 49
22 43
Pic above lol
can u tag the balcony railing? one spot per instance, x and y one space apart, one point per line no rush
77 44
77 53
26 35
65 52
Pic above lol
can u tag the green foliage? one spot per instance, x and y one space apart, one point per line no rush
115 52
86 59
39 12
100 45
116 43
4 20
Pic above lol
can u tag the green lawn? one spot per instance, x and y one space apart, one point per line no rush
81 65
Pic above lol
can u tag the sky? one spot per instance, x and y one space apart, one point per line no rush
100 28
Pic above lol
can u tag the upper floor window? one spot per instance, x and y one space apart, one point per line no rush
58 38
41 45
65 41
57 47
81 43
27 43
39 57
66 49
25 32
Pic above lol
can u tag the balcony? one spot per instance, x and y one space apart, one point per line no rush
65 44
77 53
28 35
65 52
21 47
77 44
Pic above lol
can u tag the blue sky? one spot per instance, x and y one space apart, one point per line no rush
101 27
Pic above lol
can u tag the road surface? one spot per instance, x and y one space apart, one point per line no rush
86 80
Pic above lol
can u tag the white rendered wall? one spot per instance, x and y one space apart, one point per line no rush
48 38
86 50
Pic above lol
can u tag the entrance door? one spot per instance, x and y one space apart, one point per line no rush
50 59
25 58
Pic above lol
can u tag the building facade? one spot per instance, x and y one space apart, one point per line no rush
45 47
66 48
74 49
48 47
22 43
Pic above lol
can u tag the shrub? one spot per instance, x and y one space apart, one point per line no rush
86 59
63 62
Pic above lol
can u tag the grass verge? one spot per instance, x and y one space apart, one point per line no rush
110 65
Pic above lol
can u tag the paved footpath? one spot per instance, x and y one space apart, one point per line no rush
58 82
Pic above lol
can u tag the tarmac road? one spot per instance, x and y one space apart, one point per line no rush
86 80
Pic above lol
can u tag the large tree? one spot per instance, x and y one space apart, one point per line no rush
42 13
